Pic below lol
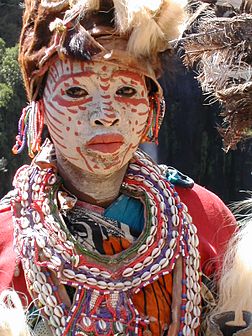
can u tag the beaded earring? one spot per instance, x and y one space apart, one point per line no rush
30 127
155 118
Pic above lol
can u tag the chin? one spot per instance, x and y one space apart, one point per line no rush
104 163
109 166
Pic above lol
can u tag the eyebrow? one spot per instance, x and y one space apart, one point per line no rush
129 74
63 78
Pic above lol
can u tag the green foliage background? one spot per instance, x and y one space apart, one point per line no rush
12 96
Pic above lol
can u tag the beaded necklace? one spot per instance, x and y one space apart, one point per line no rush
104 285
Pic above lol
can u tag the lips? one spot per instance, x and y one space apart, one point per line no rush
105 143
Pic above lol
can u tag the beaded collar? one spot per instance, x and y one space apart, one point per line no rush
102 304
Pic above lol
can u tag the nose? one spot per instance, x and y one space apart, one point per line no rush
105 118
106 122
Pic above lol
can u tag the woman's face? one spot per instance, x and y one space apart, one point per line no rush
96 113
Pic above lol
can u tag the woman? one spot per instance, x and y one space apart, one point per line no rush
106 242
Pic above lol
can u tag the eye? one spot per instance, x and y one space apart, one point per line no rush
126 91
76 92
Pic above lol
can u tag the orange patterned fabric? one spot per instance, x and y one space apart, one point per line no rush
114 245
154 300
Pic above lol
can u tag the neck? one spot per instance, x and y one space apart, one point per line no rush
96 189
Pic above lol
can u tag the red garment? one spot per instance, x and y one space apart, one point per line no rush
213 219
8 258
215 224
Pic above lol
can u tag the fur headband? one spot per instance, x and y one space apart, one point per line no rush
84 29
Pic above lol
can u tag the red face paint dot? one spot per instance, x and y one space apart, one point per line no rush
69 118
68 129
104 68
79 122
76 133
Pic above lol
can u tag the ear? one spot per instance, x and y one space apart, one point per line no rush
155 118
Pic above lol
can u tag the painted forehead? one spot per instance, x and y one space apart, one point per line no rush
65 70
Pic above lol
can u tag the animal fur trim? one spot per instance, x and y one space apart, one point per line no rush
71 27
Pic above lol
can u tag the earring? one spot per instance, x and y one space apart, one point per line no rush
30 127
155 118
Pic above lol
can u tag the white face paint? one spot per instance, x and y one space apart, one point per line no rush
96 113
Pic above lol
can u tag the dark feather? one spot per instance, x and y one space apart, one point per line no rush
80 45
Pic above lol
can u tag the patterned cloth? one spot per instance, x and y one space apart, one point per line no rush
110 236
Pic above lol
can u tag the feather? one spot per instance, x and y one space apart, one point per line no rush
11 310
222 51
152 23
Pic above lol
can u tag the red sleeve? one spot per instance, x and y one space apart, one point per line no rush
215 224
8 257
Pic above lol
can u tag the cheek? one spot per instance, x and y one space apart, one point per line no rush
138 118
74 126
64 124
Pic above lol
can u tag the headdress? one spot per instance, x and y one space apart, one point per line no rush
222 49
129 32
125 32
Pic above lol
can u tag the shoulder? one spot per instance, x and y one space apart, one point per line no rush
7 253
206 205
6 225
214 221
10 268
215 224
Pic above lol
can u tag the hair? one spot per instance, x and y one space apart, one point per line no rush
12 315
235 286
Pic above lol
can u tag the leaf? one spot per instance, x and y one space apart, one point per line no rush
6 94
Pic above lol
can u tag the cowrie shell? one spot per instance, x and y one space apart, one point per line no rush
68 273
58 311
86 321
51 300
128 272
